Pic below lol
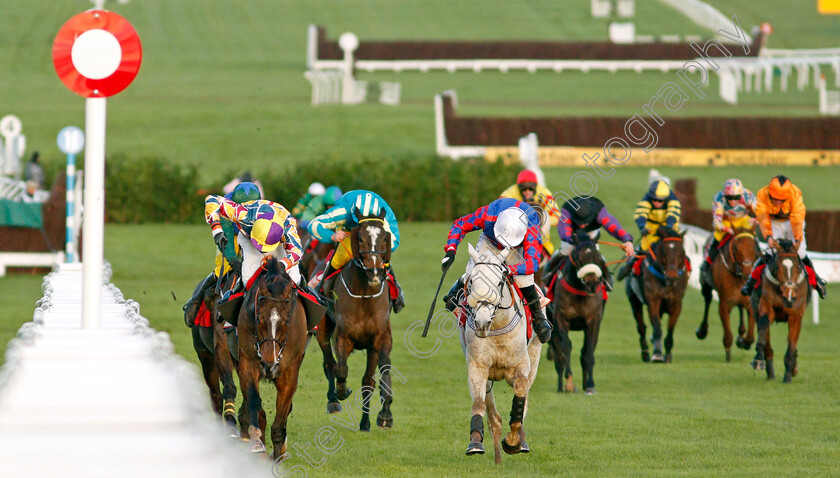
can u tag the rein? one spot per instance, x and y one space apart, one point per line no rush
776 281
286 324
357 261
737 272
514 321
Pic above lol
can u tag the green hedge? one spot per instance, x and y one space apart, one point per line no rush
417 188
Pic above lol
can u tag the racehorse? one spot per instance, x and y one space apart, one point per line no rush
578 304
361 320
782 297
661 286
272 332
498 349
217 350
727 275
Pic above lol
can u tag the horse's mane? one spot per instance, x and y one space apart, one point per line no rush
667 232
276 278
786 245
486 249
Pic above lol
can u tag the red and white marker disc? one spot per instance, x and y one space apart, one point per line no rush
97 53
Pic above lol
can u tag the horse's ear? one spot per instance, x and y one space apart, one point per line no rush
354 242
357 214
503 255
381 213
682 234
474 254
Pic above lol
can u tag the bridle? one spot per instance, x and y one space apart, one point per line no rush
505 280
282 344
790 284
358 260
680 267
738 272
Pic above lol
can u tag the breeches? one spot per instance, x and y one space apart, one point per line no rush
252 260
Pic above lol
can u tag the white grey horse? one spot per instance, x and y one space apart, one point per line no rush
495 345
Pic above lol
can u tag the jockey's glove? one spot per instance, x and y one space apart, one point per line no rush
221 242
447 261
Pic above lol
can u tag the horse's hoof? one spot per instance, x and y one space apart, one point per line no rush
728 356
788 378
343 393
739 342
385 422
590 391
333 407
257 446
524 448
510 450
701 333
669 358
364 427
232 431
758 364
645 356
657 357
475 449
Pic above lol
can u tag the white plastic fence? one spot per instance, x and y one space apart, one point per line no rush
114 401
703 14
748 75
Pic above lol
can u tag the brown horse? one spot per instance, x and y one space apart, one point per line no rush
727 275
664 278
578 305
361 321
782 297
272 340
217 350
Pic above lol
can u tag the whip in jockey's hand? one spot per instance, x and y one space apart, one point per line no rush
447 261
221 242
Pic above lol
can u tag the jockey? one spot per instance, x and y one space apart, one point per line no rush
319 205
781 213
262 226
315 190
335 224
540 198
659 207
508 223
731 207
243 193
590 215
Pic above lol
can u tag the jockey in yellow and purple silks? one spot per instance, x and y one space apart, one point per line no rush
244 192
335 224
730 210
262 226
540 198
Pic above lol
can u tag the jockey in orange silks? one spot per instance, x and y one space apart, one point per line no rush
506 223
781 214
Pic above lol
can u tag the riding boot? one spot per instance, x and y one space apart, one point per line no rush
325 286
399 302
713 252
451 297
541 325
820 281
625 269
194 304
750 284
237 287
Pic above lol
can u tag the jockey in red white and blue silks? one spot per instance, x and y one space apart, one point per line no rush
262 227
506 223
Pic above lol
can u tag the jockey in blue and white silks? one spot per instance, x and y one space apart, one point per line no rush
335 224
506 223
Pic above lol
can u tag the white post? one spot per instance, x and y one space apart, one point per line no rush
815 306
529 155
348 43
69 240
94 225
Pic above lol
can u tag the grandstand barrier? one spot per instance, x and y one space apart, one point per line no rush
113 401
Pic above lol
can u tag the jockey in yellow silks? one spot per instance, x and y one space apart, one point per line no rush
659 207
244 192
730 210
540 198
335 224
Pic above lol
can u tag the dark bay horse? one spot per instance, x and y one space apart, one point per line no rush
664 278
578 304
727 275
217 350
782 297
361 321
272 340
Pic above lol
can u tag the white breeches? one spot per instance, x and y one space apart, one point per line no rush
782 230
252 259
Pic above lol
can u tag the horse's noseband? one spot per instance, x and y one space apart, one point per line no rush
282 344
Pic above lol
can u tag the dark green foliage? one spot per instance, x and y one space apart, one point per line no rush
151 190
144 190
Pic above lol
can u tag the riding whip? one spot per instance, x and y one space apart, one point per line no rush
432 308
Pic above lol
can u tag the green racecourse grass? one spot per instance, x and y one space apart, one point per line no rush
696 417
222 83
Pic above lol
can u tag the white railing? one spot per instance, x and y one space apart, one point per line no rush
114 401
829 99
747 75
704 15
